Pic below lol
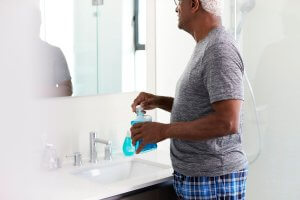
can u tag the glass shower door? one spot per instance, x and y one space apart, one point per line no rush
86 48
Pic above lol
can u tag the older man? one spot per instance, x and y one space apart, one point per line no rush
205 128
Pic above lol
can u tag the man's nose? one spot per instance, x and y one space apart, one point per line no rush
176 9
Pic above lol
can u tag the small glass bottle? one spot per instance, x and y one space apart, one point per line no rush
50 160
141 117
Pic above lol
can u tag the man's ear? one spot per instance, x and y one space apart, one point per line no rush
195 4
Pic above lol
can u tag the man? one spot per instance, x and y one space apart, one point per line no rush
52 76
205 128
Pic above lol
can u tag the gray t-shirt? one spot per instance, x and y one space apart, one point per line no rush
52 68
214 73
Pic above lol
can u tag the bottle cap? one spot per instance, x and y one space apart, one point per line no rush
139 110
128 133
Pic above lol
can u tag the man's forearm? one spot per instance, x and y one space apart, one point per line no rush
65 88
210 126
166 103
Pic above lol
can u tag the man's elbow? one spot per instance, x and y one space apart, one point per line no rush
231 126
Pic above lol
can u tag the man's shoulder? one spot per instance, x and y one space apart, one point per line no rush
221 38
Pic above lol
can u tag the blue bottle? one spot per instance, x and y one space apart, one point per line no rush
128 148
141 117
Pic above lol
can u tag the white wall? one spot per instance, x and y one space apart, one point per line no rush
271 45
69 121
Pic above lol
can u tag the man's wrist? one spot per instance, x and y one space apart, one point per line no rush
173 130
159 101
167 133
164 103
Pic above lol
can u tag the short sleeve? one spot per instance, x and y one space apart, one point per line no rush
61 67
223 72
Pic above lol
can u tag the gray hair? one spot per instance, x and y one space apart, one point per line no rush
214 7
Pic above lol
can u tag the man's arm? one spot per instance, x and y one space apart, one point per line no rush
223 121
150 101
65 88
165 103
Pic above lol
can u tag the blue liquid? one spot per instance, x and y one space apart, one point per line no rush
135 122
148 147
128 148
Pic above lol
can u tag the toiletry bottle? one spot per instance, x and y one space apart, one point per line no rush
50 161
141 117
128 148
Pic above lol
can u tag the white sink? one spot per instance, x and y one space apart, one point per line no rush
121 170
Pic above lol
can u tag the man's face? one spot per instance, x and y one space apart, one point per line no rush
182 9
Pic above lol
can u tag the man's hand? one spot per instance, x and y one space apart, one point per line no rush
150 101
149 132
146 100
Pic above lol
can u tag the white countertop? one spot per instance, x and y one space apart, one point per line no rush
62 184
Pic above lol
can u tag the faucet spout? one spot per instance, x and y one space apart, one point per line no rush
93 151
107 142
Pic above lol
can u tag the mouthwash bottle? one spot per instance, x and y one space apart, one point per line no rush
128 148
141 117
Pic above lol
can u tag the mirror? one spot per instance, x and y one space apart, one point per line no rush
101 44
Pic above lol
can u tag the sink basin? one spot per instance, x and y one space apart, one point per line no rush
121 170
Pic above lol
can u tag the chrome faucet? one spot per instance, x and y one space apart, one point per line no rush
93 151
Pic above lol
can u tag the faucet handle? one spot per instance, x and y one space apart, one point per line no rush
77 158
108 151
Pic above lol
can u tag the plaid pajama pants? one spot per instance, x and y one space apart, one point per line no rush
226 187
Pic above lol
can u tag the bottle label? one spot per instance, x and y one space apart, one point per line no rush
139 119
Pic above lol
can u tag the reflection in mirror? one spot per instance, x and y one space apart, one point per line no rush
103 43
51 76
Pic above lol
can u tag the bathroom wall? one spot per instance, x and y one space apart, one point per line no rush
65 122
271 45
68 121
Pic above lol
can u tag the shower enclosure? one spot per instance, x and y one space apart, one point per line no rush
268 33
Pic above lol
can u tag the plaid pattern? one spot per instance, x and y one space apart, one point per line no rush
226 187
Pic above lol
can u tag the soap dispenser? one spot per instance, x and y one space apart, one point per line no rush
128 148
141 117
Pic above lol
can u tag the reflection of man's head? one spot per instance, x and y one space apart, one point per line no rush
291 17
22 20
30 17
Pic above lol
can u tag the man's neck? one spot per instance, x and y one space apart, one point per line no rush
204 27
